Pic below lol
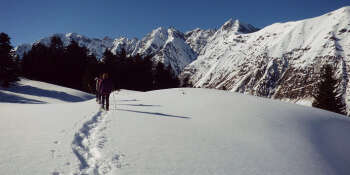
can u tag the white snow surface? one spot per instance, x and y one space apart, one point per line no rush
174 131
36 92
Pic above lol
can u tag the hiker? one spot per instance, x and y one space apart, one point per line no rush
106 88
98 82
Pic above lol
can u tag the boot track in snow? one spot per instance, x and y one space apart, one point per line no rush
86 146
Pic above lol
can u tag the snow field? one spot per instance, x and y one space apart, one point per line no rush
174 131
199 131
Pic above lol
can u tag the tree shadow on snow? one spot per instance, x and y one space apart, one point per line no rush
154 113
10 98
34 91
141 105
129 100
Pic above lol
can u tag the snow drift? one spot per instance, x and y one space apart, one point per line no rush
174 131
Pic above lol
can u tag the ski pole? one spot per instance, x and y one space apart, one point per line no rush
115 101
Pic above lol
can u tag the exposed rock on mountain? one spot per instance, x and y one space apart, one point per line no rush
280 61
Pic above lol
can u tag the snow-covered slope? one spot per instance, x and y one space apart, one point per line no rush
168 46
129 45
36 92
281 61
198 38
146 133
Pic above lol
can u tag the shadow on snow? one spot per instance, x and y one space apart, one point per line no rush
154 113
141 105
34 91
11 98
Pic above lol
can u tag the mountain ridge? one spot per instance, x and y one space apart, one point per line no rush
168 45
281 61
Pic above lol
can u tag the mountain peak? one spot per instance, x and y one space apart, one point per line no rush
228 24
235 25
106 38
159 30
71 34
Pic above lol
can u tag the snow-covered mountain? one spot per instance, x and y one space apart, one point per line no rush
95 46
129 45
166 45
198 38
280 61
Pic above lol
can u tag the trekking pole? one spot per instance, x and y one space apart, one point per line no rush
115 100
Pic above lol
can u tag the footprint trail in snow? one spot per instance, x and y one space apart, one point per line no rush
87 144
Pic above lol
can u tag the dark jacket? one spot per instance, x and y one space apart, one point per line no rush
106 86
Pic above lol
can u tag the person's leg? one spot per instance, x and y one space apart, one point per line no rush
107 102
103 101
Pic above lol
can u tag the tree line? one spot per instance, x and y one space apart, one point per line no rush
73 66
9 62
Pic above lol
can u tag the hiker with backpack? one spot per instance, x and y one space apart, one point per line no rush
105 88
98 80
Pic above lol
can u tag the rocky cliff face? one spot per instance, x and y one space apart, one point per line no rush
280 61
168 46
198 38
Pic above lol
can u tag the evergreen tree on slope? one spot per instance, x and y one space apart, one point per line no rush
8 67
327 97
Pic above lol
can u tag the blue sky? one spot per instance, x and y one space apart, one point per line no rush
28 20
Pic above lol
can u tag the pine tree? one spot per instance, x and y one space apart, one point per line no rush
327 97
186 82
91 71
160 76
75 64
108 57
143 73
147 74
164 77
173 81
55 61
35 64
8 68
